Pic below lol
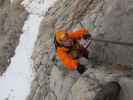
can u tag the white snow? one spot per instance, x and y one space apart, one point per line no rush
16 81
38 6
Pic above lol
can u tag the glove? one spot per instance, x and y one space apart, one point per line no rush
87 36
81 69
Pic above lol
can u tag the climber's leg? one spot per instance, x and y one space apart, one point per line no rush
83 52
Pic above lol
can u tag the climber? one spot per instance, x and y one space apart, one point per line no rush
109 92
69 50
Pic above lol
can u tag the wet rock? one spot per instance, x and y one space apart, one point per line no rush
127 89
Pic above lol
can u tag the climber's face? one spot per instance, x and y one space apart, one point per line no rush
67 42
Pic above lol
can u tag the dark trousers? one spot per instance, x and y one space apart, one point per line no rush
83 52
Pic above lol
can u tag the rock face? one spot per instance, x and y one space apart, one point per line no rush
117 26
113 19
12 17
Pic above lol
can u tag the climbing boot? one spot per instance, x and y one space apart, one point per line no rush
81 69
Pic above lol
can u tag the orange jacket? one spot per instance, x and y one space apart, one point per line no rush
67 58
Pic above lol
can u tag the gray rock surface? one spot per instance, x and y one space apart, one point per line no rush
113 19
12 17
117 26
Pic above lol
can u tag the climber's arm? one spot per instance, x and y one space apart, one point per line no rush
78 34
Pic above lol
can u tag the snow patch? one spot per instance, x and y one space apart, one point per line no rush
16 81
38 6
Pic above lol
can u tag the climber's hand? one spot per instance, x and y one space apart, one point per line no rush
87 36
81 69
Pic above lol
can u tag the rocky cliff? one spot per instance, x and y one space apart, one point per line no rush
12 17
113 20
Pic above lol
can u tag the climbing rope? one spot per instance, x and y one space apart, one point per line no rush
113 42
107 41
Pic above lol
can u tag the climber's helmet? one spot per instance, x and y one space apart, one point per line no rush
60 36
